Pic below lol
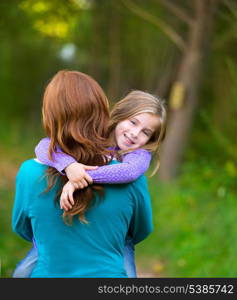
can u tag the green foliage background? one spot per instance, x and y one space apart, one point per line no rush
194 215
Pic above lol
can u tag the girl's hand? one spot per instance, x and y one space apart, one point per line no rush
66 199
76 173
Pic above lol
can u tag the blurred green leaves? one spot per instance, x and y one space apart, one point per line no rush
195 215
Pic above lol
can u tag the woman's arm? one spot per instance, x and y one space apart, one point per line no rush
21 223
141 224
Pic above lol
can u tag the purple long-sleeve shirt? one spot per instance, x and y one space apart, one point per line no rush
133 165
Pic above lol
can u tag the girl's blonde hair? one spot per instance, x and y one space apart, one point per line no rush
76 117
137 102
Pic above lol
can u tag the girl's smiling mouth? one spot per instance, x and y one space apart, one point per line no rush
128 140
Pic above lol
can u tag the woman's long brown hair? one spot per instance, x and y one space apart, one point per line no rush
75 117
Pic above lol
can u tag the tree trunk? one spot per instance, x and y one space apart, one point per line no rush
184 94
94 68
114 53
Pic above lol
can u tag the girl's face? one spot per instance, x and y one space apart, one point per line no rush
136 131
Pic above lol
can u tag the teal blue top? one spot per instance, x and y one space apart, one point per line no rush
80 250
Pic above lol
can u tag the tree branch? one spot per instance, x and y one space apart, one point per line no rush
177 11
230 33
171 34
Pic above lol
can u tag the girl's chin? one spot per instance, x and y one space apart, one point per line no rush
125 147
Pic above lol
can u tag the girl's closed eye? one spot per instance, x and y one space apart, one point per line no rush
133 122
146 133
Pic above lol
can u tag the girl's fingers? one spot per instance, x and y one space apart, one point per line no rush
88 178
80 185
61 201
65 206
90 167
64 203
70 197
84 183
75 184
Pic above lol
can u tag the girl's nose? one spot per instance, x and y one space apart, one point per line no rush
135 133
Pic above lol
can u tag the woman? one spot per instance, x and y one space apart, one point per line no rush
75 117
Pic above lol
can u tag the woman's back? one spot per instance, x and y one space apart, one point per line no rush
80 250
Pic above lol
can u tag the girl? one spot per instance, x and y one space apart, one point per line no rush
136 129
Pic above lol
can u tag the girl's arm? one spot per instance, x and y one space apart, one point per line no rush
60 160
133 165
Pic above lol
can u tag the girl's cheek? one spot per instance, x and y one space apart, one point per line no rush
142 142
146 140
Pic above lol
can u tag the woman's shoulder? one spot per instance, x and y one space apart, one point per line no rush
30 167
32 162
139 184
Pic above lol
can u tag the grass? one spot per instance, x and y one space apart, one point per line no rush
194 217
17 145
194 234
